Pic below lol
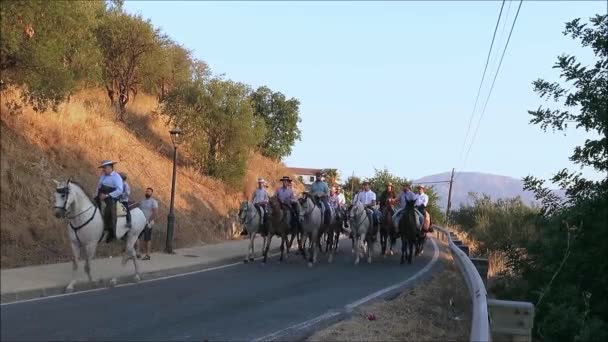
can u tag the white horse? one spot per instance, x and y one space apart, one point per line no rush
311 218
361 232
251 219
85 228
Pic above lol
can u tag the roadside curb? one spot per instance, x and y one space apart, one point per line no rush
104 283
304 330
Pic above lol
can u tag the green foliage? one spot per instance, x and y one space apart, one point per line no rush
125 42
332 176
166 66
281 117
558 254
218 119
48 48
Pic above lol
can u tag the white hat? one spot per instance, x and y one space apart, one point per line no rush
261 180
106 163
421 186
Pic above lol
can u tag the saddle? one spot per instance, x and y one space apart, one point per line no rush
121 210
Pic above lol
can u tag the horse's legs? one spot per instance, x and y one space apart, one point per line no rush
411 251
383 238
283 242
266 247
403 248
356 248
132 254
314 248
89 251
330 245
75 257
249 247
370 248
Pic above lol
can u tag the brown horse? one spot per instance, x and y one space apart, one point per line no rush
279 225
387 229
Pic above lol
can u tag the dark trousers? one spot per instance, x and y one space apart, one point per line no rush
327 212
109 213
126 204
262 210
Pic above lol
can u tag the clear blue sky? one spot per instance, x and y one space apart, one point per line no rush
392 84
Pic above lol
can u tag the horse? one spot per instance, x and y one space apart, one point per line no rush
336 229
311 219
387 229
251 219
86 228
361 232
426 226
408 231
280 225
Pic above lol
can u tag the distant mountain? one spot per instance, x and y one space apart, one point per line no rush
495 186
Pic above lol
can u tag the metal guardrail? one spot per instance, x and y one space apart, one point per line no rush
480 322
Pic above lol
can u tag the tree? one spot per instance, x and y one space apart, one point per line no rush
281 117
48 48
568 273
166 66
125 41
332 176
219 123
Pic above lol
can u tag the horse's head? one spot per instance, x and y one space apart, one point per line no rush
357 210
64 198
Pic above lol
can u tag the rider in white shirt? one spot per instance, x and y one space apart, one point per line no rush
341 198
368 198
422 201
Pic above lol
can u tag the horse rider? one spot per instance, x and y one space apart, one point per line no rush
333 197
341 198
388 197
422 201
109 190
260 198
287 198
320 191
404 197
124 198
368 198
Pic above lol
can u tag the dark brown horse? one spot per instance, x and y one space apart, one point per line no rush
387 228
408 231
279 225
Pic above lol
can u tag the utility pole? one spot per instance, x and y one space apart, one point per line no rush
447 212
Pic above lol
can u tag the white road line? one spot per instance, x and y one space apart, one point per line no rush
130 284
299 326
350 307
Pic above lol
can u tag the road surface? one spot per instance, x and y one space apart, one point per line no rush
241 302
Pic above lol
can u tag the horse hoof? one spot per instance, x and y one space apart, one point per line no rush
310 265
69 289
245 261
113 282
251 260
137 278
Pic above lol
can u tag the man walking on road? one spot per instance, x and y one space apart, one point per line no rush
150 208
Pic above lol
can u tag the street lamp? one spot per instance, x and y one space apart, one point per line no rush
176 137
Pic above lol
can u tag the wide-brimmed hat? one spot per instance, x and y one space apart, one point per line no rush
319 174
105 163
420 186
285 179
365 182
261 180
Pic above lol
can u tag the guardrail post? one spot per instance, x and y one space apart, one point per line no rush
511 320
481 264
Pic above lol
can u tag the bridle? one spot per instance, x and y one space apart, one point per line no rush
65 192
246 219
309 212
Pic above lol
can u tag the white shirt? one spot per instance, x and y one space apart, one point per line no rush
260 195
366 197
341 199
423 199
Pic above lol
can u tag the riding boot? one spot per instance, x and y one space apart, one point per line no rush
126 204
110 219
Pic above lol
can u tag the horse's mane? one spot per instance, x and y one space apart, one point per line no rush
81 188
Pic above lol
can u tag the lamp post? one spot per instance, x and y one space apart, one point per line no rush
176 135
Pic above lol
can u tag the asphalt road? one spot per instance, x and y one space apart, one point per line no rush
241 302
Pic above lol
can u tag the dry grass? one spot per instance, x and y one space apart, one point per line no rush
39 147
435 310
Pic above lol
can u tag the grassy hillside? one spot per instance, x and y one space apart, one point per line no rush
39 147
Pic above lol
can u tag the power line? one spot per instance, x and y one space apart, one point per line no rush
483 111
482 77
